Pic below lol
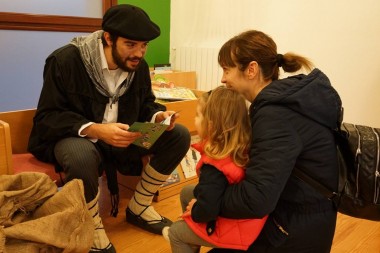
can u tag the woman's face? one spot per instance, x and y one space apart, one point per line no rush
235 79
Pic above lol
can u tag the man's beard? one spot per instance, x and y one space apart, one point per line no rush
123 64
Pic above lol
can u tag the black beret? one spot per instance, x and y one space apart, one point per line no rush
130 22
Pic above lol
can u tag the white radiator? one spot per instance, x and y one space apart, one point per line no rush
204 61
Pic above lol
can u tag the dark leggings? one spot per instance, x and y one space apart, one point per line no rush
85 160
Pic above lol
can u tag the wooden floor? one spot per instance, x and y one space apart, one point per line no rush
351 236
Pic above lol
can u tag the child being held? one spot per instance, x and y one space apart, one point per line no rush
223 125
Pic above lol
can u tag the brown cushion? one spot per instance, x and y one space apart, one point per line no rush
27 162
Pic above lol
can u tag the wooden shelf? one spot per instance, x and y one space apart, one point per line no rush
179 78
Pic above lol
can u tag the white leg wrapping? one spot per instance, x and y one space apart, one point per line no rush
101 240
150 182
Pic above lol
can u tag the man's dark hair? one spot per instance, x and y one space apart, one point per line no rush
112 36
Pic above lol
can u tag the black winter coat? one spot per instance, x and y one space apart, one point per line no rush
291 120
69 100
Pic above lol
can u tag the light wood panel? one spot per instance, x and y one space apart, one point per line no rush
352 235
6 164
186 79
20 123
187 111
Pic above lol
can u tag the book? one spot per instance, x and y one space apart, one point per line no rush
173 178
190 160
162 68
150 131
175 93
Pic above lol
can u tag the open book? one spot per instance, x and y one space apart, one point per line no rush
150 131
176 93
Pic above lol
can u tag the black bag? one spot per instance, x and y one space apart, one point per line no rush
358 152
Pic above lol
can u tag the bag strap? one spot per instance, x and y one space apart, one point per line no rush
331 195
302 175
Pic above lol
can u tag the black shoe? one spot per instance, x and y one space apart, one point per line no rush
110 249
154 226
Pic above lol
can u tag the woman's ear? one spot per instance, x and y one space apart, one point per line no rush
253 69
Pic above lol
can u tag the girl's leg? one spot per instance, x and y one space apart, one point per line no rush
186 195
184 240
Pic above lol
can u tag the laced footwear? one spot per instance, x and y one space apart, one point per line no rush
153 226
110 249
101 242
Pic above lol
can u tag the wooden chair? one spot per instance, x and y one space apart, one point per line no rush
15 128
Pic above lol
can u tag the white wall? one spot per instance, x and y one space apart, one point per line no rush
341 37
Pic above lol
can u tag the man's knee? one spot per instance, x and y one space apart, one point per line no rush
77 154
170 148
80 159
182 132
179 139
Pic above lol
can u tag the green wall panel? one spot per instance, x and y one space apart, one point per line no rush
159 12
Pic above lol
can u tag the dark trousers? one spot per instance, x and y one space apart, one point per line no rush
82 159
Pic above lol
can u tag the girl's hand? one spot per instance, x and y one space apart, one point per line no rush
186 213
189 207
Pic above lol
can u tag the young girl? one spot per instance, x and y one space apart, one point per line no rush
223 125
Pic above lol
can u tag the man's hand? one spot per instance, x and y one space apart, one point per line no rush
115 134
163 115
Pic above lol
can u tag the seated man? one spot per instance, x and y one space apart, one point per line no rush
94 89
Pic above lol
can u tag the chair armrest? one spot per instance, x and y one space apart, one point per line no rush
6 164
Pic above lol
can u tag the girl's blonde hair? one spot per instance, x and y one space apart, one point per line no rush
226 129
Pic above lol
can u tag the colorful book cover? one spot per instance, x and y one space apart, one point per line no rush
150 131
189 163
173 178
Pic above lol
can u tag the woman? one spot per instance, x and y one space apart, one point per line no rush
291 120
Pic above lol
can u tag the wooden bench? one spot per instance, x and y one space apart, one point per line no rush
15 128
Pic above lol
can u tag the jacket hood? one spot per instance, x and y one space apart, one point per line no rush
310 95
